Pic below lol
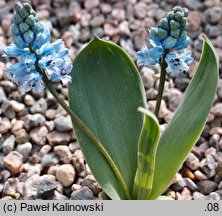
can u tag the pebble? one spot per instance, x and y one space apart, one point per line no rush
31 187
10 186
33 120
213 31
217 109
195 19
63 123
213 15
82 194
5 125
38 135
21 136
63 153
65 174
39 106
29 100
181 83
148 79
213 196
199 175
58 138
16 106
193 4
59 196
24 149
50 114
206 186
46 189
13 161
44 150
186 194
8 145
91 4
174 98
7 109
110 29
91 183
179 185
198 196
17 125
140 10
78 161
49 159
208 165
190 184
192 161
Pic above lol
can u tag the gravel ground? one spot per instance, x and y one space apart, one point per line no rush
39 155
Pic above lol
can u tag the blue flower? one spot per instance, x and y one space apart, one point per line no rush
149 56
32 45
178 63
171 32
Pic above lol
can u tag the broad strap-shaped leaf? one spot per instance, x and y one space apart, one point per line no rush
105 94
185 128
148 143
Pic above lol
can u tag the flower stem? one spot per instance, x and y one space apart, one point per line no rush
161 84
80 124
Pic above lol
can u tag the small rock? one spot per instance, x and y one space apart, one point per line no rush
17 125
7 109
97 21
13 161
206 186
213 15
63 123
83 194
110 30
192 161
31 187
91 183
198 196
58 138
174 98
193 4
21 136
53 169
181 83
78 161
50 114
65 174
213 196
2 95
8 145
38 135
33 120
215 130
44 150
217 109
124 28
208 165
24 149
5 125
213 31
186 194
179 185
140 10
49 159
118 14
29 100
148 79
59 196
199 175
46 189
195 19
190 184
105 8
140 38
39 107
63 153
10 186
16 106
90 4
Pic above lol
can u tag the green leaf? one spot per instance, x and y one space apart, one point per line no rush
105 94
185 128
146 155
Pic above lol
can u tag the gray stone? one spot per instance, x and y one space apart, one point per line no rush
193 4
31 187
85 35
7 109
217 109
8 145
24 149
49 159
179 185
214 31
98 31
190 184
33 120
198 196
181 83
213 15
208 165
39 107
206 186
46 189
90 4
148 79
63 123
2 95
213 196
39 134
140 10
83 194
58 138
10 186
5 125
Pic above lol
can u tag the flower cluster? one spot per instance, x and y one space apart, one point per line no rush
37 54
170 34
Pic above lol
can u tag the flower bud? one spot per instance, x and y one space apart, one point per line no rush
174 25
163 24
169 42
30 20
23 27
162 34
28 37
